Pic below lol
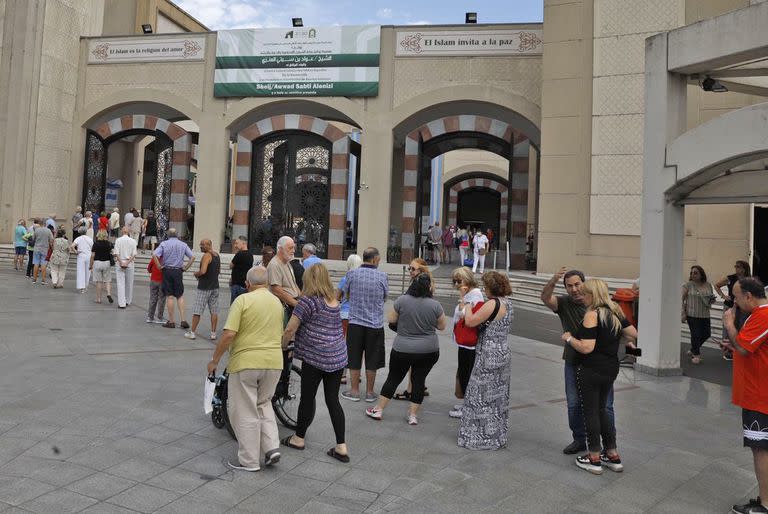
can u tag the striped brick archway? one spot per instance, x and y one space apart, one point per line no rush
339 172
182 158
465 123
487 183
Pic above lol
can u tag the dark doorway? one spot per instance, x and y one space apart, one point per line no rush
760 244
291 190
479 208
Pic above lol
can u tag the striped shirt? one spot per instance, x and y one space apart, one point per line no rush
173 252
699 300
367 289
319 340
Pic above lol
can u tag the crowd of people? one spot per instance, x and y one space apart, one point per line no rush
471 244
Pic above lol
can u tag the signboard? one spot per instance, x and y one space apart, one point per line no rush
429 43
302 61
150 49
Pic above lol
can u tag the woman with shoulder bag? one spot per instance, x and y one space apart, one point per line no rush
465 337
101 265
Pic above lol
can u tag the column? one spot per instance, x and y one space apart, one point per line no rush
661 244
352 180
375 187
212 179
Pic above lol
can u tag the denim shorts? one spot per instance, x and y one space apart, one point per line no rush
21 250
39 258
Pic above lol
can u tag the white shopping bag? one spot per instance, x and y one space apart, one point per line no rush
210 386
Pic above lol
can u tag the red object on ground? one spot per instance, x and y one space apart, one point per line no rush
626 298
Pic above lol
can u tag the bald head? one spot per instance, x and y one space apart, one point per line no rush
256 277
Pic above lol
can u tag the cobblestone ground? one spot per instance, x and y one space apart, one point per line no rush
102 413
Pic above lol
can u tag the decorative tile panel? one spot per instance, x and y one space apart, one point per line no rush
619 17
618 94
613 135
615 214
617 174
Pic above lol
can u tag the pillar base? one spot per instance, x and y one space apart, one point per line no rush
658 372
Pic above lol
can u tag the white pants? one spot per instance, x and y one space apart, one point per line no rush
463 254
479 259
124 279
83 273
58 272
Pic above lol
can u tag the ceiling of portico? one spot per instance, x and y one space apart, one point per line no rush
750 77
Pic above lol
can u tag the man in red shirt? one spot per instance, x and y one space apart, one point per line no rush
750 390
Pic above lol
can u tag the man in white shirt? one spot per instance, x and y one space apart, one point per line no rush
128 218
480 244
125 253
114 224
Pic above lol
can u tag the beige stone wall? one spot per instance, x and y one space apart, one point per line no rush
2 27
459 162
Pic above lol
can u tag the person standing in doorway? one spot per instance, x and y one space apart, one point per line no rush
463 246
207 289
43 243
125 253
172 251
114 225
367 289
101 265
59 259
480 245
150 231
698 297
19 244
82 245
241 262
77 219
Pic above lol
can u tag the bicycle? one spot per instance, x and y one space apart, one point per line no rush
285 401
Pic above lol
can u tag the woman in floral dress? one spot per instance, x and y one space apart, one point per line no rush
485 414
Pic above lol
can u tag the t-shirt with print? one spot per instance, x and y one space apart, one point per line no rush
416 324
43 238
241 263
571 316
281 274
750 389
320 340
257 317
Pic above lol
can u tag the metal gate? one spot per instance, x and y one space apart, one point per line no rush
291 190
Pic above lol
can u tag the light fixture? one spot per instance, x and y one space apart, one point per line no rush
712 85
146 28
470 17
297 22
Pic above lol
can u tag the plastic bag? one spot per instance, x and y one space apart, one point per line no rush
210 387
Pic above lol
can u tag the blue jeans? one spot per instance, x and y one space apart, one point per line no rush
235 291
575 415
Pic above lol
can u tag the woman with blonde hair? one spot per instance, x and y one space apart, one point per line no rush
469 294
320 345
597 344
354 261
101 265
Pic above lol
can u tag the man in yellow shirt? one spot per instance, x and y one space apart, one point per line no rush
252 335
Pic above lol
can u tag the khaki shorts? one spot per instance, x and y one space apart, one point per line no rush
102 271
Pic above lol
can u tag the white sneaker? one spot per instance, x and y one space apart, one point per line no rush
412 420
455 413
373 412
213 336
158 321
149 320
190 335
458 406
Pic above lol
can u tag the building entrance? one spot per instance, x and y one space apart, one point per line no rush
479 208
760 244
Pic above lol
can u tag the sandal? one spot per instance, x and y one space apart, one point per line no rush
338 456
287 442
405 395
343 380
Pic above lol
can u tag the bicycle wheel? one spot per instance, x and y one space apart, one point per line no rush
287 397
223 395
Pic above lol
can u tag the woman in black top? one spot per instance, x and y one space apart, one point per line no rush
101 264
597 344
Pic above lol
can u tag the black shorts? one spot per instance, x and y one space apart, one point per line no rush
755 426
369 341
173 282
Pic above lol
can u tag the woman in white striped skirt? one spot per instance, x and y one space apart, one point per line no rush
83 246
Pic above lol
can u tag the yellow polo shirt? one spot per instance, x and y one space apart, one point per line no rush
257 317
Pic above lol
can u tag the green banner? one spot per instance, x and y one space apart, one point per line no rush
296 89
298 61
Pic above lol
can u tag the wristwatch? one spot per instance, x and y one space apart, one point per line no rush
568 341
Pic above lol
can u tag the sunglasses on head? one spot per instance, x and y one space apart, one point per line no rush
411 268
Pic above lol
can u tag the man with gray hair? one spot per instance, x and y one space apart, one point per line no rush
252 334
308 257
282 280
172 251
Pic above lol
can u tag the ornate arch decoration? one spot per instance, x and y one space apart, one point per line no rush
440 127
182 158
339 172
487 183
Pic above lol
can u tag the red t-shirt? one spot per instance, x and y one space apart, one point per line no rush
103 223
750 389
155 273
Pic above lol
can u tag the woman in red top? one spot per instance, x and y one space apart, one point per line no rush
156 296
103 222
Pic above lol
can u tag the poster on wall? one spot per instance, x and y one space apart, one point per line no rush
146 49
300 61
436 43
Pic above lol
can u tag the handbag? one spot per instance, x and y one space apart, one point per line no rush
482 251
464 335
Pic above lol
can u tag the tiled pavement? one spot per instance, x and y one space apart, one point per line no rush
102 413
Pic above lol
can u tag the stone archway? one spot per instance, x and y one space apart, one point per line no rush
487 183
177 196
339 171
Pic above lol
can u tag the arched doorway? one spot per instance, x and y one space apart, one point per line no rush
478 200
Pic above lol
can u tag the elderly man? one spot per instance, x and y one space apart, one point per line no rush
252 334
750 367
114 224
308 257
76 220
172 251
207 289
125 254
241 262
282 280
367 290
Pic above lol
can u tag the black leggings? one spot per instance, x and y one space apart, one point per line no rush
594 388
466 363
420 365
29 263
310 381
701 330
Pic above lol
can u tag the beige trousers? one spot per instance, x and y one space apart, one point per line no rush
58 272
251 414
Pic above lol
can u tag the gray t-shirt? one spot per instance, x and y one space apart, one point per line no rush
43 238
571 316
416 324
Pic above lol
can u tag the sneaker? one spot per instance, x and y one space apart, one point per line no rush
458 406
696 359
184 325
149 320
728 356
753 507
190 335
412 420
43 283
213 336
371 397
34 282
272 457
169 324
612 463
574 447
373 412
237 465
159 321
585 463
455 413
110 299
347 395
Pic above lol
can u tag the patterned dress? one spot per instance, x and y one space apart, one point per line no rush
485 414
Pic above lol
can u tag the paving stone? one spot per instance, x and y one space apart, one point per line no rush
137 469
144 498
60 501
15 490
101 486
179 480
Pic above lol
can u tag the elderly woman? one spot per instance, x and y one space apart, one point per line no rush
320 345
354 261
470 295
416 347
82 245
101 265
59 259
698 297
597 343
485 413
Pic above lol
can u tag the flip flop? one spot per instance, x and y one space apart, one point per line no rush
287 442
405 395
342 458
